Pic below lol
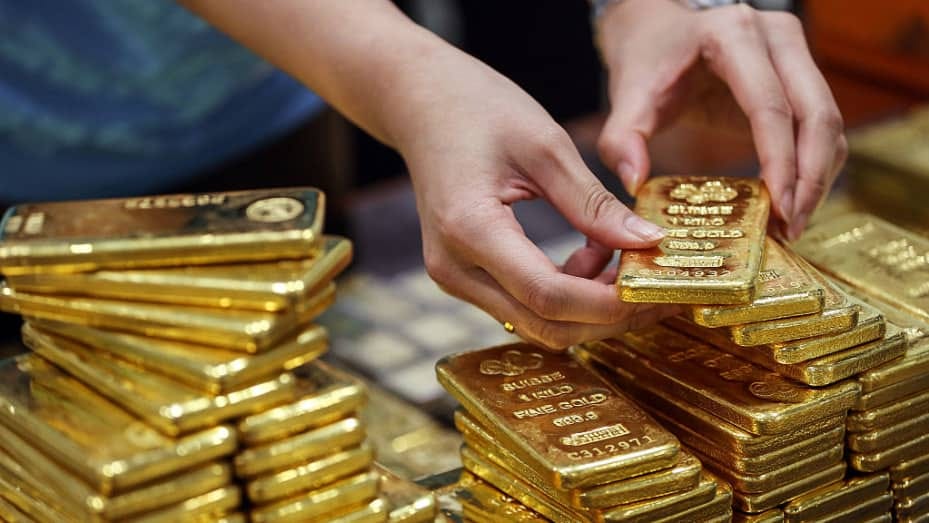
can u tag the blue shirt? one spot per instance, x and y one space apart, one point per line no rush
113 97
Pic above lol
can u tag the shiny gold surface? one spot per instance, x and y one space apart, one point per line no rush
560 418
770 481
756 400
160 231
879 460
208 369
890 393
97 440
909 468
913 364
754 503
912 507
717 509
326 395
322 502
11 514
784 290
870 327
770 516
685 475
864 510
892 435
205 507
30 502
714 246
268 286
836 497
374 511
406 501
167 405
483 503
669 506
248 331
874 256
838 315
889 414
295 450
911 487
311 475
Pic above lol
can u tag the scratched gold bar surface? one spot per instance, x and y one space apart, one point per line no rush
322 502
761 502
91 436
742 393
874 256
889 436
879 460
310 475
889 414
684 475
833 498
483 503
784 290
406 501
770 481
267 286
210 506
565 422
167 405
325 395
160 231
211 370
714 246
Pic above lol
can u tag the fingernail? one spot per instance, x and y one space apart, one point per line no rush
787 205
628 176
643 228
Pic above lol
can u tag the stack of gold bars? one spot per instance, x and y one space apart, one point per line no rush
175 363
544 430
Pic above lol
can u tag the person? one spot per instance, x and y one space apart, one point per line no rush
475 144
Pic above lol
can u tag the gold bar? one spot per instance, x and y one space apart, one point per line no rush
483 503
97 440
319 503
11 514
784 290
714 245
914 363
326 395
769 481
247 331
268 286
909 468
761 502
911 487
39 509
726 436
771 516
879 460
650 510
372 512
684 476
210 370
839 314
717 509
406 501
891 393
890 436
311 475
887 415
863 510
874 256
886 518
296 450
756 400
167 405
833 498
158 231
911 508
205 507
582 432
869 328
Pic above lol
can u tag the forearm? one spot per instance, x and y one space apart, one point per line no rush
364 57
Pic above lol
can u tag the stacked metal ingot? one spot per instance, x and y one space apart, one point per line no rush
547 432
888 426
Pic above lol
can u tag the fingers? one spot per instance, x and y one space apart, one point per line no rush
735 49
588 261
623 143
821 147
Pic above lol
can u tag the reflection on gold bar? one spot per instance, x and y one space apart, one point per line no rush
754 503
685 475
318 503
911 487
247 331
863 510
888 414
893 392
874 256
206 507
717 509
784 290
583 433
875 461
737 391
211 370
268 286
909 467
31 503
828 500
869 328
890 436
483 503
769 481
169 406
838 315
771 516
9 512
714 245
372 512
326 395
913 364
310 475
100 442
406 501
911 508
299 449
158 231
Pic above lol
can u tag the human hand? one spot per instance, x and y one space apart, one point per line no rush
736 68
481 144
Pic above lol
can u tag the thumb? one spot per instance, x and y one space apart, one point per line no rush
623 143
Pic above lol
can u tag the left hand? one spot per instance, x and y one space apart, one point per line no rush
724 64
